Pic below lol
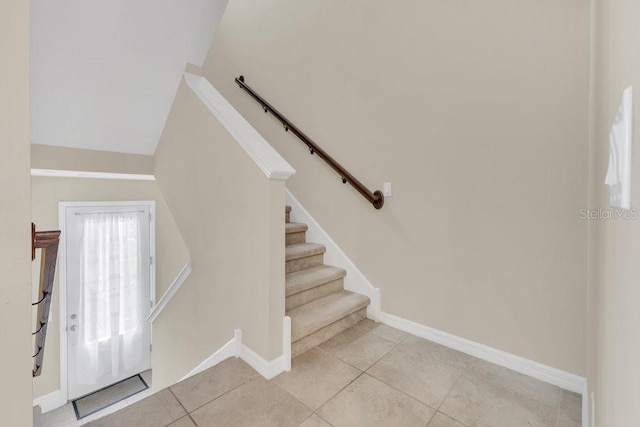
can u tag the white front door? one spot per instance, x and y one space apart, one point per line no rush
108 296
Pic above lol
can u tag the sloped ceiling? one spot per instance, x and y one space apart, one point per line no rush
104 72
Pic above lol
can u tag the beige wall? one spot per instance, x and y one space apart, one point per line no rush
476 112
75 159
171 253
614 294
231 218
15 302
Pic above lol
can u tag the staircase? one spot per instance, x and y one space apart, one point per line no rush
316 300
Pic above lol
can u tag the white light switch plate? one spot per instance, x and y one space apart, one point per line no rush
386 189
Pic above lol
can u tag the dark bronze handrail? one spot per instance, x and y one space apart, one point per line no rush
376 198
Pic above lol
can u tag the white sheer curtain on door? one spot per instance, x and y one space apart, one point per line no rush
111 295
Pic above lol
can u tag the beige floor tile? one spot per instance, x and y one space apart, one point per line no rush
439 352
419 375
422 369
316 377
61 417
570 411
368 402
159 409
382 330
441 420
183 422
256 403
519 385
485 404
314 421
212 383
358 347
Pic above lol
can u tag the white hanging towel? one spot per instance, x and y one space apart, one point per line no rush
620 140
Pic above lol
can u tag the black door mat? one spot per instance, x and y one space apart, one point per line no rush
103 398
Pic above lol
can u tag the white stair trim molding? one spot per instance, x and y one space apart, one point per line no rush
263 154
226 351
59 173
170 292
355 280
51 401
548 374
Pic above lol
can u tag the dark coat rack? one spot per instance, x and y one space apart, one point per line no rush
47 242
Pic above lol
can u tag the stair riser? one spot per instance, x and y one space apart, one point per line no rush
315 339
302 263
293 238
294 284
312 294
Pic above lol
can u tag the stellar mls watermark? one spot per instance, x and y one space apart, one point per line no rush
625 214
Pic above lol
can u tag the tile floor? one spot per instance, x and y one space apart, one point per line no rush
370 375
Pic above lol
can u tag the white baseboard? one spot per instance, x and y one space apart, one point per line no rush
355 280
562 379
50 401
236 348
226 351
266 369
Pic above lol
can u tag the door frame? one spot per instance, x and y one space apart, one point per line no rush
62 271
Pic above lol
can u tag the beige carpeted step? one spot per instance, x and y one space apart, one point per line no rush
303 255
322 312
321 319
303 280
310 284
316 301
326 333
295 232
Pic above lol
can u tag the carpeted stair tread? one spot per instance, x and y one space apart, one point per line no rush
303 250
313 316
295 227
303 280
